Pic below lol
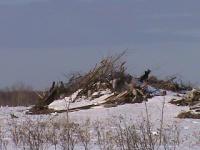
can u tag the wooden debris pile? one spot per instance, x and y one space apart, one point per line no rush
109 74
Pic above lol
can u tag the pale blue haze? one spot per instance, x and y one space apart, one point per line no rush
40 40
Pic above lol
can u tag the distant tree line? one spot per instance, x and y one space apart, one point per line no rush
18 95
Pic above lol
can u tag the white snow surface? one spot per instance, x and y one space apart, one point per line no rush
190 128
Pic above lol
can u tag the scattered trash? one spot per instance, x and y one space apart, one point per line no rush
191 99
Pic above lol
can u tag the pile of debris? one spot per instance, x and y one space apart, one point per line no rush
107 84
110 75
191 99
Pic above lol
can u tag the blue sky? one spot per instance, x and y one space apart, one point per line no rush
42 39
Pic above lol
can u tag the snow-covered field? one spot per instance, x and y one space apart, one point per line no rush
132 113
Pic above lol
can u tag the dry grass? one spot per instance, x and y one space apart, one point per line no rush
115 134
